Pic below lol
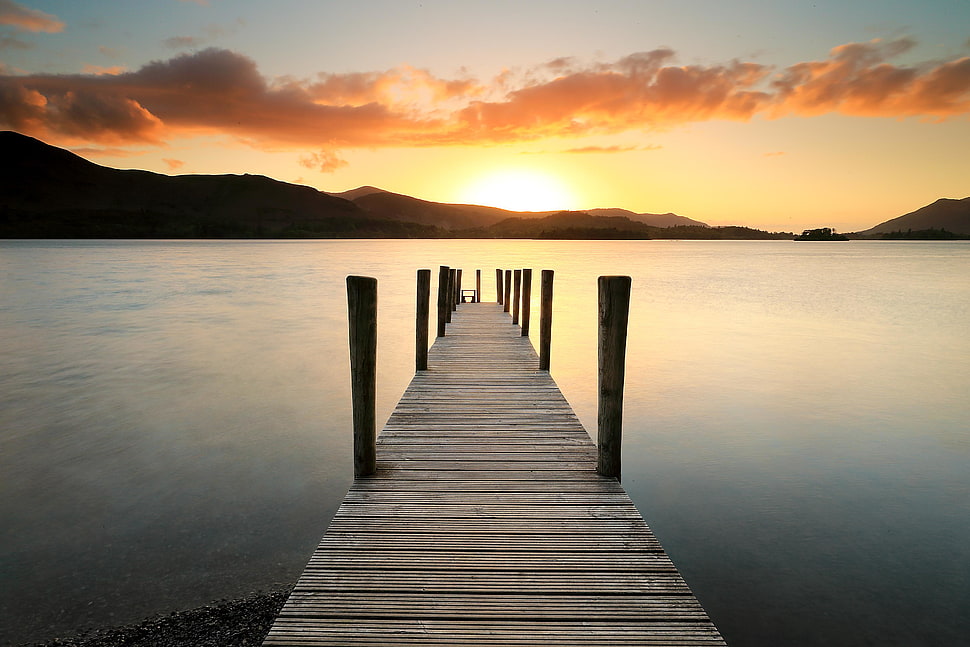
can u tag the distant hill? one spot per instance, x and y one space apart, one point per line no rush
580 225
652 219
946 213
394 206
47 192
359 192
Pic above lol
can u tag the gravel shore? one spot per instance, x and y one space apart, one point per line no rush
227 623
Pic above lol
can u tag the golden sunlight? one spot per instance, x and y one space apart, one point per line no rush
519 190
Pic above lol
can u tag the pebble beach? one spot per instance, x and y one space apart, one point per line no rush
242 622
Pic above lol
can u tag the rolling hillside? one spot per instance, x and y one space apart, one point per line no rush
946 213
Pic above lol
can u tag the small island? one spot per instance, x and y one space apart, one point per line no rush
824 233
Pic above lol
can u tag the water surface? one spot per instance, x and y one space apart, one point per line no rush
175 416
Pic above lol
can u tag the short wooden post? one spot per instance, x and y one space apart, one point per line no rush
457 288
507 299
526 300
444 307
478 286
498 286
451 293
545 319
614 315
362 315
421 312
516 295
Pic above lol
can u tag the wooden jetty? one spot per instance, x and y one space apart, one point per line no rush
486 522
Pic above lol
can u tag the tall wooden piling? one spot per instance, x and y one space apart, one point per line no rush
478 286
614 315
507 299
526 300
498 286
516 295
457 288
451 293
421 312
362 316
444 307
545 319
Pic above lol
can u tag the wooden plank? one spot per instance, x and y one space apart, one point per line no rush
486 522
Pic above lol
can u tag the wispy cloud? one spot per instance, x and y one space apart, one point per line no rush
100 70
612 149
173 164
93 152
110 52
26 19
182 42
326 161
222 92
12 42
211 34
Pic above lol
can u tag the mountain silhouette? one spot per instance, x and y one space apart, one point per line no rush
652 219
946 213
50 192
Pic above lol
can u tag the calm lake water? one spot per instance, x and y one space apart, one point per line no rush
175 420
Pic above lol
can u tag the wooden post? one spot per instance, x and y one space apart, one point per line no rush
362 315
451 293
516 296
545 319
457 288
421 311
614 314
506 300
526 300
443 306
478 286
498 286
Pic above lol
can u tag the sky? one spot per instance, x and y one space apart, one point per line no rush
782 115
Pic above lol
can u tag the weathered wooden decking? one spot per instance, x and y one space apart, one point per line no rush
487 524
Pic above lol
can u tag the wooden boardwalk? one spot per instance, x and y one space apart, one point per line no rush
487 524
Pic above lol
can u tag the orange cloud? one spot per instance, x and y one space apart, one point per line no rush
89 152
856 80
221 92
612 149
325 161
173 164
26 19
98 70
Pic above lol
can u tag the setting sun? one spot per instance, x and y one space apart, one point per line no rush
519 190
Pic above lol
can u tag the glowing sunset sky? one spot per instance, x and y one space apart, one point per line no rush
781 115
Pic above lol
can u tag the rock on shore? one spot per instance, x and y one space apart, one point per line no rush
227 623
